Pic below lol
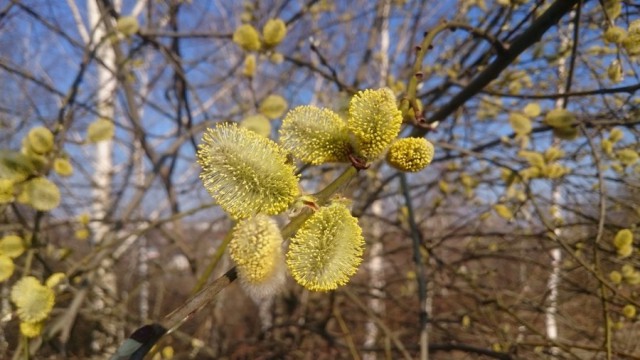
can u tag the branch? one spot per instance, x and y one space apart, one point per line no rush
529 37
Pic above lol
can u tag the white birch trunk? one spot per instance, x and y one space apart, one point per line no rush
375 265
102 164
553 283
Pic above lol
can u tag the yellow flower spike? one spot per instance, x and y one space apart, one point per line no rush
31 329
6 267
375 121
246 173
315 135
274 32
247 37
42 194
327 249
40 140
410 154
63 167
6 191
11 246
33 300
256 248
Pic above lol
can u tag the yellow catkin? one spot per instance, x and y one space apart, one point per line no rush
375 121
256 248
410 154
327 250
273 106
315 135
273 32
40 140
246 173
247 37
33 300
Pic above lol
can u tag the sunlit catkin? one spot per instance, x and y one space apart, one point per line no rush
246 173
410 154
374 120
256 248
327 249
315 135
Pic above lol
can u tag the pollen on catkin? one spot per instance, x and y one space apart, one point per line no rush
327 250
246 173
410 154
256 248
374 120
315 135
33 300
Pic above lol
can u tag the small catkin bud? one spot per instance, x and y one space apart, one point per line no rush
315 135
274 32
613 8
43 195
615 135
615 35
632 44
553 153
520 123
624 237
33 300
615 277
11 246
273 106
257 123
565 133
256 248
249 65
31 329
247 37
246 173
127 25
6 267
375 121
327 250
410 154
100 130
629 311
62 167
40 140
6 191
627 157
614 72
559 118
532 110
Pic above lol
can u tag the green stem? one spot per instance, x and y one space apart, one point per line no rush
202 280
